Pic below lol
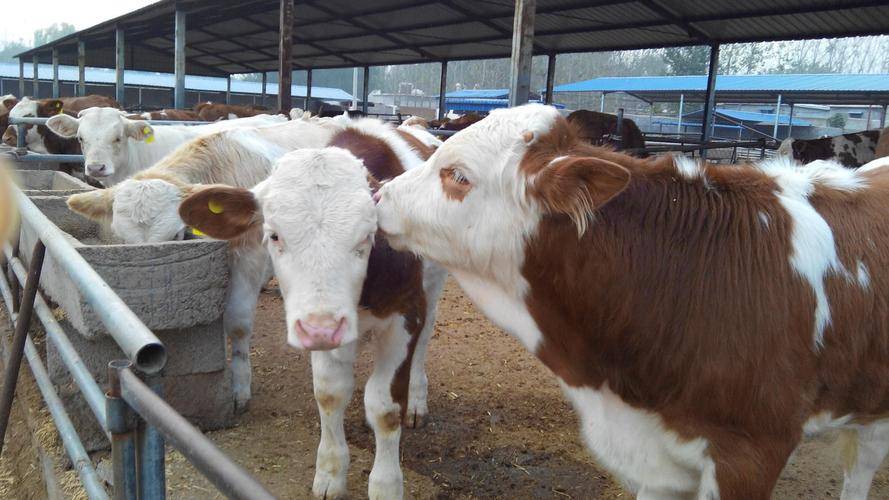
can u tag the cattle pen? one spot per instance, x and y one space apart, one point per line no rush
472 447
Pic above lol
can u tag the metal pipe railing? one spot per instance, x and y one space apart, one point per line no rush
215 465
137 342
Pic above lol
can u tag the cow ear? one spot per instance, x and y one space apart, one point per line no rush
221 212
97 205
9 102
577 186
63 125
140 131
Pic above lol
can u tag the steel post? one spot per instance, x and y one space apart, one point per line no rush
522 52
550 78
120 60
777 117
228 89
619 128
17 350
790 121
150 451
55 72
710 98
123 442
442 90
179 57
883 117
81 68
15 289
285 56
602 103
265 79
21 77
308 88
35 61
681 105
365 89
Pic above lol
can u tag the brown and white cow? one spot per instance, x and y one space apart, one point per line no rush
7 102
340 280
701 319
182 115
38 138
599 129
851 150
211 112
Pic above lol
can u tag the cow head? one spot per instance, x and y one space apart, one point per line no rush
318 220
7 102
473 205
104 135
29 108
140 210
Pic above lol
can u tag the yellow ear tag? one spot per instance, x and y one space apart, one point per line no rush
215 207
195 231
149 136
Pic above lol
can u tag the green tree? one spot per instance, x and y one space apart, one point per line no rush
687 60
52 32
837 120
9 49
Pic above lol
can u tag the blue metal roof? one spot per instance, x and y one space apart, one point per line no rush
479 94
466 104
764 83
751 116
167 80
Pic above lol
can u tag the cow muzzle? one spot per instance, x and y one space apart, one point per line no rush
97 170
10 136
320 332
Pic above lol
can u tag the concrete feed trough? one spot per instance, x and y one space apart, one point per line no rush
169 285
49 183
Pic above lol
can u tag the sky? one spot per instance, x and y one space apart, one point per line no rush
82 14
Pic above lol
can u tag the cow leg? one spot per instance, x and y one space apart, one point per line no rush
865 448
384 413
249 272
433 284
738 460
333 379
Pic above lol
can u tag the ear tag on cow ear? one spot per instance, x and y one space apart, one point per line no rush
215 207
149 136
197 232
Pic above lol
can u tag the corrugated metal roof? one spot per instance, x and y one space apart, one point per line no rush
479 94
242 37
748 88
167 80
752 116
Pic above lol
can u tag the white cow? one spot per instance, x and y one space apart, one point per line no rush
145 209
341 280
116 147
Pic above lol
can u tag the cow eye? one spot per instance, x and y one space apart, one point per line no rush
273 237
458 177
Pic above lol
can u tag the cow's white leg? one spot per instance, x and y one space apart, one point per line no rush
384 413
250 270
865 448
333 379
434 277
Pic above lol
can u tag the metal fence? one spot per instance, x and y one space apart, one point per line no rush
133 414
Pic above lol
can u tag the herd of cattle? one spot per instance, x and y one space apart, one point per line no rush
701 319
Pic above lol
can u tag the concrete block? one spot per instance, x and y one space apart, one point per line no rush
170 285
49 183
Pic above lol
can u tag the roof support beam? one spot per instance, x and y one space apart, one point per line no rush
522 44
790 121
228 89
550 78
55 72
81 68
777 116
21 77
365 89
265 81
710 99
285 57
119 64
35 61
442 89
666 12
179 58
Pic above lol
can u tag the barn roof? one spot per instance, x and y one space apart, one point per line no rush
751 117
813 89
241 37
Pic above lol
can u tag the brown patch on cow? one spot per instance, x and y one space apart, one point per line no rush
221 212
682 302
328 402
379 159
210 112
598 129
95 205
7 104
422 150
184 115
458 123
454 185
390 422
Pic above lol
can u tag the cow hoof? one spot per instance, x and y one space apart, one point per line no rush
328 487
416 420
392 489
241 406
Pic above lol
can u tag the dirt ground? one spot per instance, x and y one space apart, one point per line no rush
498 428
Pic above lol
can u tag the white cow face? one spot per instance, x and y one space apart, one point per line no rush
26 108
318 219
141 211
476 202
105 136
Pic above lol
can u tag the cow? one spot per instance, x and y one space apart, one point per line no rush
182 115
36 138
850 150
7 102
882 149
211 112
701 319
115 147
340 280
143 209
455 122
600 129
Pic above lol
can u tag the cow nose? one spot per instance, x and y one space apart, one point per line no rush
320 332
10 137
97 169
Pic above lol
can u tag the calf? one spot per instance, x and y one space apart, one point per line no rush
600 129
699 318
37 138
850 150
143 209
182 115
340 280
115 147
210 112
7 102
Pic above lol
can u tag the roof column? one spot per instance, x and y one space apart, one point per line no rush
179 57
120 59
883 117
55 72
442 89
285 57
81 68
308 87
228 89
366 89
265 79
679 123
602 103
522 51
550 78
790 122
777 116
35 61
710 97
21 77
